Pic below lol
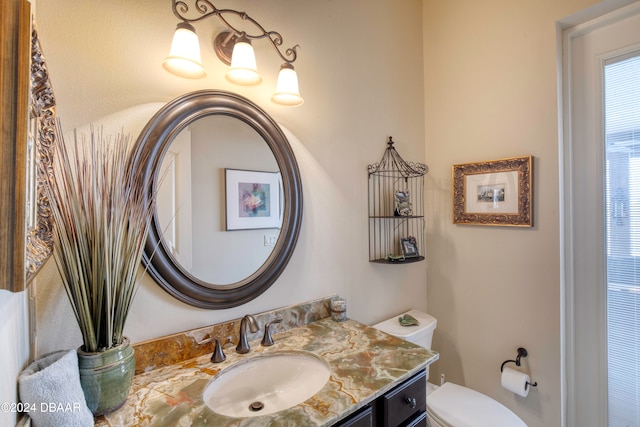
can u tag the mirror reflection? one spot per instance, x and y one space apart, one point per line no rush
197 254
192 207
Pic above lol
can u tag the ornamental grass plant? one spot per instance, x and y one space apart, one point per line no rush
101 213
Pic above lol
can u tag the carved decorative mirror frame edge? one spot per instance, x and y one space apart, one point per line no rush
23 251
43 103
151 145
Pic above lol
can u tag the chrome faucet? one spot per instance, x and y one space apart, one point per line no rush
243 344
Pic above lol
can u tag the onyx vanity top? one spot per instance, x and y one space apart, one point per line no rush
365 363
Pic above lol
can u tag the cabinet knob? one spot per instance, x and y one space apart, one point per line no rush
411 401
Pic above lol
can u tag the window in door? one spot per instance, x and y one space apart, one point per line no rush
622 207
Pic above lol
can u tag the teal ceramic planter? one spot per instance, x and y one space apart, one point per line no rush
106 377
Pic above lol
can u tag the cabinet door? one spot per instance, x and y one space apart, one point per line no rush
364 418
419 421
405 401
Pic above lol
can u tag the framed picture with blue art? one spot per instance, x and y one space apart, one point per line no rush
252 199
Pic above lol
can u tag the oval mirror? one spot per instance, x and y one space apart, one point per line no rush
228 198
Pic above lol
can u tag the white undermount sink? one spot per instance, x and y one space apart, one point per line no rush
266 384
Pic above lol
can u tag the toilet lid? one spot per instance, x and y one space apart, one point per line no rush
462 407
393 327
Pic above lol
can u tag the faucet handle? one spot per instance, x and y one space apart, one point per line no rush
218 355
267 340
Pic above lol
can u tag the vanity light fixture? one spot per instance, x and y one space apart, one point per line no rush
184 56
233 47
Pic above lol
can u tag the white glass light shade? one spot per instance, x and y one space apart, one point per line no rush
287 92
243 69
184 56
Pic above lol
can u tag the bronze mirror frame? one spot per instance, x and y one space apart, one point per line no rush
28 114
147 156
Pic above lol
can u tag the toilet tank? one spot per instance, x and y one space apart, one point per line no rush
420 335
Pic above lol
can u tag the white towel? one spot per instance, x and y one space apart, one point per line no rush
50 387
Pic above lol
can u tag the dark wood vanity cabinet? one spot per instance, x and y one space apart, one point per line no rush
362 418
403 406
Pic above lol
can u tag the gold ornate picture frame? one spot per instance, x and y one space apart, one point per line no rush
496 192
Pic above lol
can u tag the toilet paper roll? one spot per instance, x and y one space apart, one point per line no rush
515 382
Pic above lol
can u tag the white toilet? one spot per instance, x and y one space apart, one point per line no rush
450 405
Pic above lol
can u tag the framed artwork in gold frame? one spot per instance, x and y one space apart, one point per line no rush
496 192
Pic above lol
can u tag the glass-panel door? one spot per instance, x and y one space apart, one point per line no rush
622 203
601 220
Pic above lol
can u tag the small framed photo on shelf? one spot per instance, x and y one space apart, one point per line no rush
409 247
403 203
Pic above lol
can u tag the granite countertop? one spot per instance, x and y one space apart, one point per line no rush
365 363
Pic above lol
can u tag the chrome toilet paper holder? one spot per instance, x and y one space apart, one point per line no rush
522 352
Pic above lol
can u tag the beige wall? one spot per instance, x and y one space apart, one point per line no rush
104 57
234 255
490 93
489 82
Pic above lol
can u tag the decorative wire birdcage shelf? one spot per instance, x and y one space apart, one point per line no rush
396 209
